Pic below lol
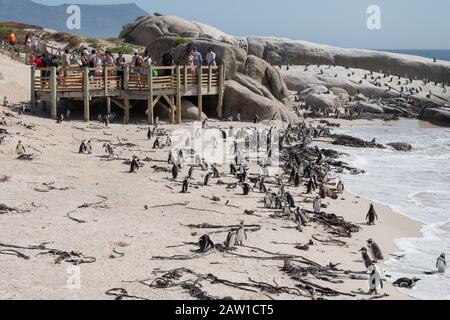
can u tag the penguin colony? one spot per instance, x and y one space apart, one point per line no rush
307 167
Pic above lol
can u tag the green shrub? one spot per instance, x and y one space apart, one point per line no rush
180 42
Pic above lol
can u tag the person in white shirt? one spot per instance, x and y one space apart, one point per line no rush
211 57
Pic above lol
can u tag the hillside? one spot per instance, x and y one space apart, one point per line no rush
100 21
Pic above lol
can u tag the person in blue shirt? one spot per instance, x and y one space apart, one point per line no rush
198 59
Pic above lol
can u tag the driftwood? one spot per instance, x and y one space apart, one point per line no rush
49 187
196 255
206 210
172 278
169 205
26 157
73 257
121 293
4 209
14 253
87 205
336 224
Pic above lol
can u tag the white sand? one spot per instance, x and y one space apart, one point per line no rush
124 225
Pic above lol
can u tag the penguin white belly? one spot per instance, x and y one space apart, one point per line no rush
441 266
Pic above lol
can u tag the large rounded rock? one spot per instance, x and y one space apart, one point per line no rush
281 51
145 30
189 110
439 117
325 102
267 75
240 99
366 107
400 146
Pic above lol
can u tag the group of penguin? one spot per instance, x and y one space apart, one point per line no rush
375 280
234 238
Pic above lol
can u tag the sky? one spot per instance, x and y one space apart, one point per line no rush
405 24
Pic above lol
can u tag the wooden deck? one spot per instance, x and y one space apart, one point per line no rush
122 86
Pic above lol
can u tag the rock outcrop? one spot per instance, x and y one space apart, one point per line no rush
349 141
188 110
254 58
400 146
440 117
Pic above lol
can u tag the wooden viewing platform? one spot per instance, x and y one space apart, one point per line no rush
120 86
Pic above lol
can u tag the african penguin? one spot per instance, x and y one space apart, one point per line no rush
375 250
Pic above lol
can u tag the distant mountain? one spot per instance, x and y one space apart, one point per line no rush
99 21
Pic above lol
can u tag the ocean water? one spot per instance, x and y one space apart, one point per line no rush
416 184
438 54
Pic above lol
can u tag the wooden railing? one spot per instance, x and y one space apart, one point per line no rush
132 79
139 83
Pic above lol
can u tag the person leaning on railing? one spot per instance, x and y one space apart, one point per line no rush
120 64
211 58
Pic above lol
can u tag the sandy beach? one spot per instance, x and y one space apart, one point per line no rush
124 237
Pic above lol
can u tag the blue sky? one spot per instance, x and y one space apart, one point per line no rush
405 24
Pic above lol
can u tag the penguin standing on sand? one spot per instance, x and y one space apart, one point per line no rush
230 242
207 178
371 215
297 179
205 243
175 172
186 183
82 148
375 281
340 186
89 147
5 102
365 256
267 201
108 149
290 200
156 144
149 134
20 149
241 235
441 264
317 205
311 187
134 166
191 172
246 189
215 172
375 250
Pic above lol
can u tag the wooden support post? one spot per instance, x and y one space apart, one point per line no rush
126 110
108 105
126 86
86 94
221 88
209 78
126 77
54 97
105 80
33 88
185 78
178 95
151 117
199 94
